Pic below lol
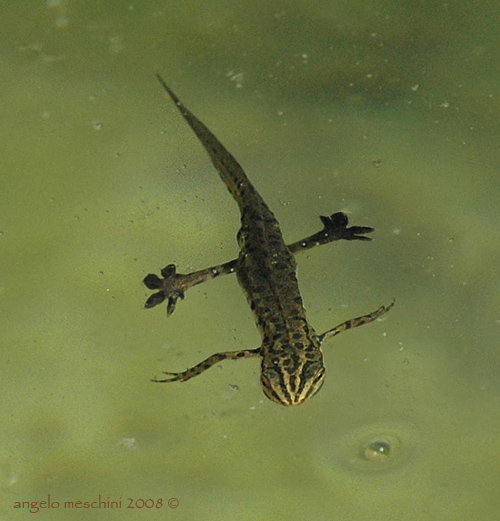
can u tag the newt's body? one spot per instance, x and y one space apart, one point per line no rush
292 361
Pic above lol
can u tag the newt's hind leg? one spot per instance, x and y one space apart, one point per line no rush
206 364
355 322
173 285
335 228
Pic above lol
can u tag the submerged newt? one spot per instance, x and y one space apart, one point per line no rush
291 359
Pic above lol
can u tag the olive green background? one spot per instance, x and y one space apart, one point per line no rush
386 110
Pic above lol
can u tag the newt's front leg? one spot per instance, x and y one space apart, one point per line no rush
206 364
173 285
355 322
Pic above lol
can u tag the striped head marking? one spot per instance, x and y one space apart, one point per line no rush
289 378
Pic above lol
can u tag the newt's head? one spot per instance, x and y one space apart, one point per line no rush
290 376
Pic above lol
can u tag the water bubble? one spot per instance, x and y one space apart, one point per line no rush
373 448
377 451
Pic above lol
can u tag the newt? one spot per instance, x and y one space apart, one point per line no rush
292 367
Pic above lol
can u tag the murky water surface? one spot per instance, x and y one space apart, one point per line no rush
386 111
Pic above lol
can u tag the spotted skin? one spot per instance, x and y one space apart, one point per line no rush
292 368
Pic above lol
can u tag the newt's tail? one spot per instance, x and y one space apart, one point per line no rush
229 169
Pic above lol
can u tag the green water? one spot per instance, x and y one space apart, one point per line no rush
386 110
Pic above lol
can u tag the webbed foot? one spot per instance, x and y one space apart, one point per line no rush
171 288
336 226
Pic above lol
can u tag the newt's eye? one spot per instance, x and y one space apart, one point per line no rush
311 370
